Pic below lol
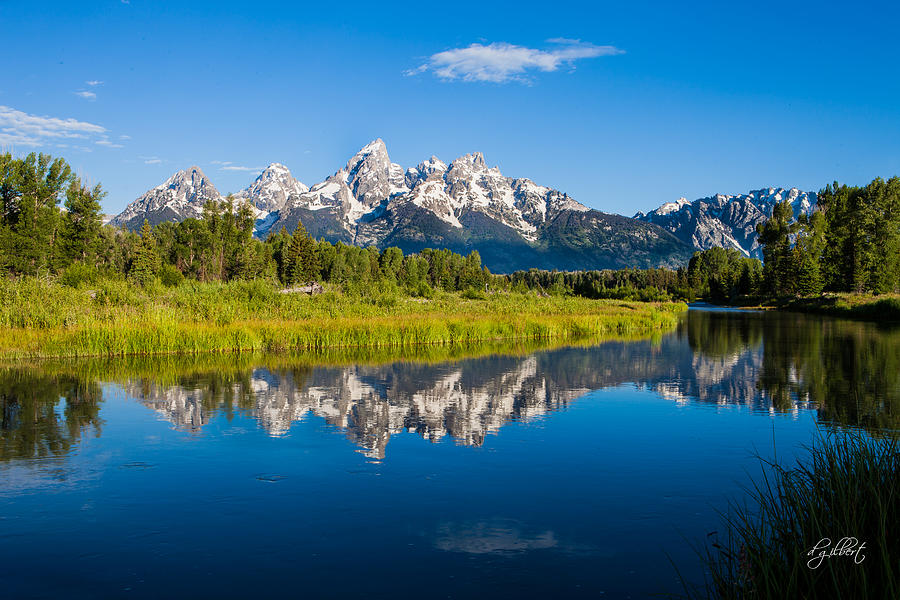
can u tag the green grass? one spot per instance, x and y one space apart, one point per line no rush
42 318
848 487
866 307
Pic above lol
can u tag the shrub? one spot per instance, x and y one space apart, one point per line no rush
473 294
78 274
170 276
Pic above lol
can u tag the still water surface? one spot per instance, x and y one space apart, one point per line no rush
518 473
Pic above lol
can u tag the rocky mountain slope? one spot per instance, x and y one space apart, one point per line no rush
182 196
465 205
727 221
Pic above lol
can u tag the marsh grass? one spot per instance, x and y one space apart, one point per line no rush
42 318
848 487
883 308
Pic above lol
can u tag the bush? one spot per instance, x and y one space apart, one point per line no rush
473 294
423 291
78 274
170 276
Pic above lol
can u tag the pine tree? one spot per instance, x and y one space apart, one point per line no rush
307 266
778 260
81 222
146 261
293 266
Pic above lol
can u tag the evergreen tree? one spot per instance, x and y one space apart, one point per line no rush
778 260
146 260
81 222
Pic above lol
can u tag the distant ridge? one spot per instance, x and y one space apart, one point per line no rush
724 220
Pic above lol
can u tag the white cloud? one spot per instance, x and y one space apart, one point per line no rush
86 94
501 62
108 144
93 82
223 163
151 160
231 167
124 137
17 127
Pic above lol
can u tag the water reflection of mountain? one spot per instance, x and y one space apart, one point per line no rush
849 372
764 362
465 400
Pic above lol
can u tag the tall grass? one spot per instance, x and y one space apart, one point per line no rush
883 308
848 488
41 318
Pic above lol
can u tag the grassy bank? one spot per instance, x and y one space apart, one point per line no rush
778 545
41 318
885 307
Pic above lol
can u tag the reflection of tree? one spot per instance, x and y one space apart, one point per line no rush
720 334
32 426
850 370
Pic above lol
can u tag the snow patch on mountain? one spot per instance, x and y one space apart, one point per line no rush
726 220
180 197
273 189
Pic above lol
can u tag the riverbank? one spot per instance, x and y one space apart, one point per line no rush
860 307
885 307
42 318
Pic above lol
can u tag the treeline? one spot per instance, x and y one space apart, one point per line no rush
648 285
851 243
38 237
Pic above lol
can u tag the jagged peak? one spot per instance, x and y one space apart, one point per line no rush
276 166
475 159
185 175
373 152
373 146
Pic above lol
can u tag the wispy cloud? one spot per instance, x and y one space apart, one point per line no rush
94 82
151 160
231 167
86 94
17 127
501 62
108 144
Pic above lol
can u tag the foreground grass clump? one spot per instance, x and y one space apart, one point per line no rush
41 318
849 488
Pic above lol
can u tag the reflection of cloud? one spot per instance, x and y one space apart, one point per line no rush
491 537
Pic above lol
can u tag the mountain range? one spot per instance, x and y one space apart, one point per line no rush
724 220
465 205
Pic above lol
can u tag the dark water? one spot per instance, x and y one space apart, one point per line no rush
525 473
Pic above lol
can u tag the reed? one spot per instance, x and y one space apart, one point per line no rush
848 487
41 318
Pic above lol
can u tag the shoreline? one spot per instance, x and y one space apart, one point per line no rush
46 320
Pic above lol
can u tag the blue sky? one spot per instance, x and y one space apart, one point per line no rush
623 105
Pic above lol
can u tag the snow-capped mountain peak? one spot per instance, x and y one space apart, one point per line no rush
180 197
273 189
727 220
